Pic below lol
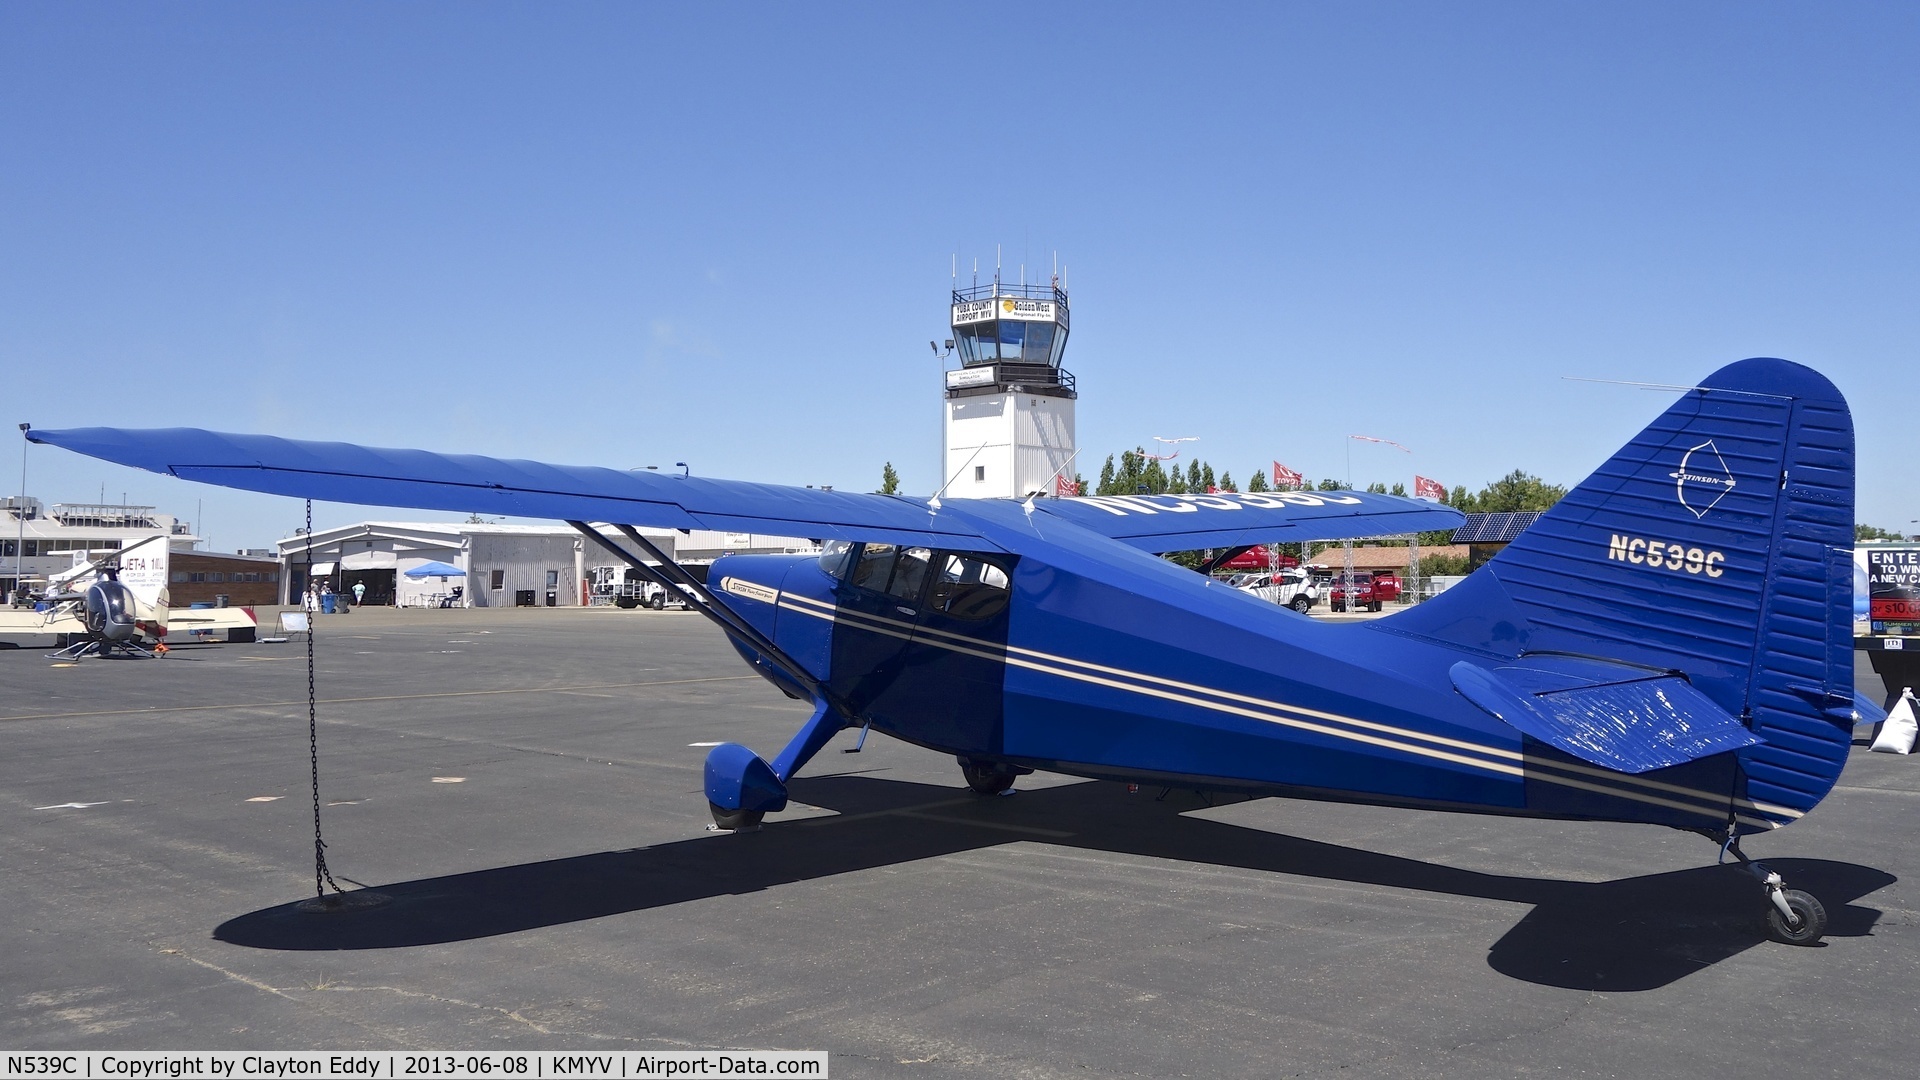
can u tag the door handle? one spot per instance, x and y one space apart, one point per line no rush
905 610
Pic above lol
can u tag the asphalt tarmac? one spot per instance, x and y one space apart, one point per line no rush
525 787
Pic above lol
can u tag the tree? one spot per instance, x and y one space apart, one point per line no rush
1863 533
1106 478
889 480
1399 489
1439 565
1154 478
1193 478
1206 478
1259 481
1332 485
1226 482
1516 492
1376 488
1131 475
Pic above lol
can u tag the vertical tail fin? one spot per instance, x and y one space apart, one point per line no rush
1716 543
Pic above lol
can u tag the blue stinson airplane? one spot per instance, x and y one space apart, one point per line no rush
1670 644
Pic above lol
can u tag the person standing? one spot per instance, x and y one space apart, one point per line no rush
359 592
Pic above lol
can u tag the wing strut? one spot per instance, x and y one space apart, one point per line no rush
1224 557
671 575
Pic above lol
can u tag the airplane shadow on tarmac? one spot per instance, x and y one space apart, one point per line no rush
1634 933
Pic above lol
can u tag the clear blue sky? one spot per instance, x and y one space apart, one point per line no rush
630 234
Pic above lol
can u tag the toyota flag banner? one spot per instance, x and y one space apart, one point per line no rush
1284 477
1424 488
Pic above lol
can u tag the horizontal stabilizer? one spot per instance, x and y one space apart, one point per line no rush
1628 719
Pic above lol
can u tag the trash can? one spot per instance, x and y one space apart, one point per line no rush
553 599
326 603
523 598
220 600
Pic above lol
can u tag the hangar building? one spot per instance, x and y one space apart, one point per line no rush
502 565
39 543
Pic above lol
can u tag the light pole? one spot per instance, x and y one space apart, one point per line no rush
20 515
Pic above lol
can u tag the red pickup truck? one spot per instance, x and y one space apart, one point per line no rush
1371 591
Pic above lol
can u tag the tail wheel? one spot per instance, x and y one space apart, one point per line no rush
1810 919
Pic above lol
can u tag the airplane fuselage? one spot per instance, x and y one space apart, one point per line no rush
1115 664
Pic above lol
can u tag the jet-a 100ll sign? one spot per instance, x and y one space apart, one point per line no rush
1651 650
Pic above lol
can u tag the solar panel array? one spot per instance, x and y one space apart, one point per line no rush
1494 528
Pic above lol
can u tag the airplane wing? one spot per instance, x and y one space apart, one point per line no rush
422 480
419 479
1160 523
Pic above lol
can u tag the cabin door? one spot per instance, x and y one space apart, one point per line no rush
954 679
878 603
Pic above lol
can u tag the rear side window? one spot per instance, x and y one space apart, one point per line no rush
909 574
969 587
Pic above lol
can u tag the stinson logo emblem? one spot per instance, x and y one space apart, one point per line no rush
1703 479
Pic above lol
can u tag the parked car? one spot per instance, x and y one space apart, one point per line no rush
1290 587
1371 590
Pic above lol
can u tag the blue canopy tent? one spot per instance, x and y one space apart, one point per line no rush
435 569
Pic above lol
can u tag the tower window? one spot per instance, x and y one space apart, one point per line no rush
979 473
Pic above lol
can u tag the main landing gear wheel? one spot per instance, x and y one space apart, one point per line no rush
735 820
1803 923
989 777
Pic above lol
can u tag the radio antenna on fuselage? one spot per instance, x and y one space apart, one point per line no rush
1028 504
934 503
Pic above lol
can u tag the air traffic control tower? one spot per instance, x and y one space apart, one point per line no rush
1009 427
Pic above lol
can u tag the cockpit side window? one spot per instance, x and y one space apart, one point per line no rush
896 571
874 568
969 587
834 556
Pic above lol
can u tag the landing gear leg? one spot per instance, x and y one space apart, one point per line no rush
742 788
1793 917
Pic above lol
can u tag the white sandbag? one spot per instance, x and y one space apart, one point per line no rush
1897 734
